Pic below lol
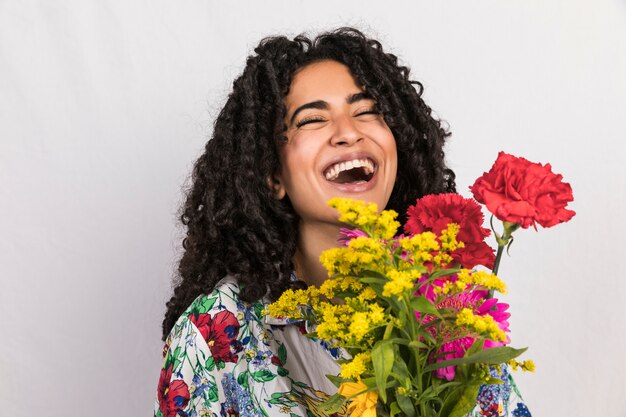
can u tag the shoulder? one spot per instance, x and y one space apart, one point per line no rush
218 313
205 349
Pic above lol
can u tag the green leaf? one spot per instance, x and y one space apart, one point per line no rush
467 402
401 370
173 358
220 365
337 380
416 344
282 354
491 356
394 409
258 310
434 390
210 364
423 305
206 304
406 405
242 379
333 404
369 273
213 397
372 280
476 347
444 273
382 359
263 376
282 371
450 398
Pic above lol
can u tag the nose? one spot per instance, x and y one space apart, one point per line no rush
346 133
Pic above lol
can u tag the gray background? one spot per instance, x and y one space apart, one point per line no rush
104 105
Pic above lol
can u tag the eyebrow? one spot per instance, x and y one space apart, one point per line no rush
323 105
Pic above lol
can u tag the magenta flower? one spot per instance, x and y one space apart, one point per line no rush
457 346
346 235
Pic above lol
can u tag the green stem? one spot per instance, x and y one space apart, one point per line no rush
496 264
503 241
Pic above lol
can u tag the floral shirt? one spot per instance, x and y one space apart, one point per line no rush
227 358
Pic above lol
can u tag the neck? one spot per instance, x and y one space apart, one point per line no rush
313 239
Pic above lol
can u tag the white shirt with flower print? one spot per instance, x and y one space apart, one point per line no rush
225 357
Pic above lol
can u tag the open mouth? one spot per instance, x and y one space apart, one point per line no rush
356 171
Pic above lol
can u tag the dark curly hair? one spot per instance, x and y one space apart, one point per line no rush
234 223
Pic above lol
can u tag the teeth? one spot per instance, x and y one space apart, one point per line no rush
334 171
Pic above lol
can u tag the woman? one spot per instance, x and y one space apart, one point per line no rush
307 120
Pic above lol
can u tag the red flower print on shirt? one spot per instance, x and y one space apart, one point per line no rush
173 396
218 331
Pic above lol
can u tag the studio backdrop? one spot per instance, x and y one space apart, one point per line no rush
104 106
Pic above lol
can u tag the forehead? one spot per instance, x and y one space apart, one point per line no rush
320 81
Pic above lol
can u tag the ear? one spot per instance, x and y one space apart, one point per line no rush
276 185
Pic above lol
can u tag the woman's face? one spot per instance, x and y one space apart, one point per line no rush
338 145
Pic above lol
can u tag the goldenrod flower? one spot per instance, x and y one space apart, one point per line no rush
448 238
484 279
355 212
527 365
377 314
367 294
400 281
359 326
483 325
356 367
386 225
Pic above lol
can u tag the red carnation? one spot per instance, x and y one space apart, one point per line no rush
218 331
518 191
174 395
433 213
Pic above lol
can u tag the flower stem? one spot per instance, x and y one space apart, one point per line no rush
504 240
496 264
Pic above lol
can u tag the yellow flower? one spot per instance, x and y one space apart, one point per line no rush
483 325
377 314
357 367
367 294
364 402
386 225
448 238
480 279
400 281
288 304
359 325
527 365
423 242
355 212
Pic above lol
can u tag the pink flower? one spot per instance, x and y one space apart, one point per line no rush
477 301
346 235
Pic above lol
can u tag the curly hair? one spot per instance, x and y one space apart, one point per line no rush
235 225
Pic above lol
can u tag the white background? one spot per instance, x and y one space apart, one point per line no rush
104 105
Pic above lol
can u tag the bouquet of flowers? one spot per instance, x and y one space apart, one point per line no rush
415 312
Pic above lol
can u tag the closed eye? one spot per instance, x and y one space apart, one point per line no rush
373 110
310 120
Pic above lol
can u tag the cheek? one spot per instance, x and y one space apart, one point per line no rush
297 161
